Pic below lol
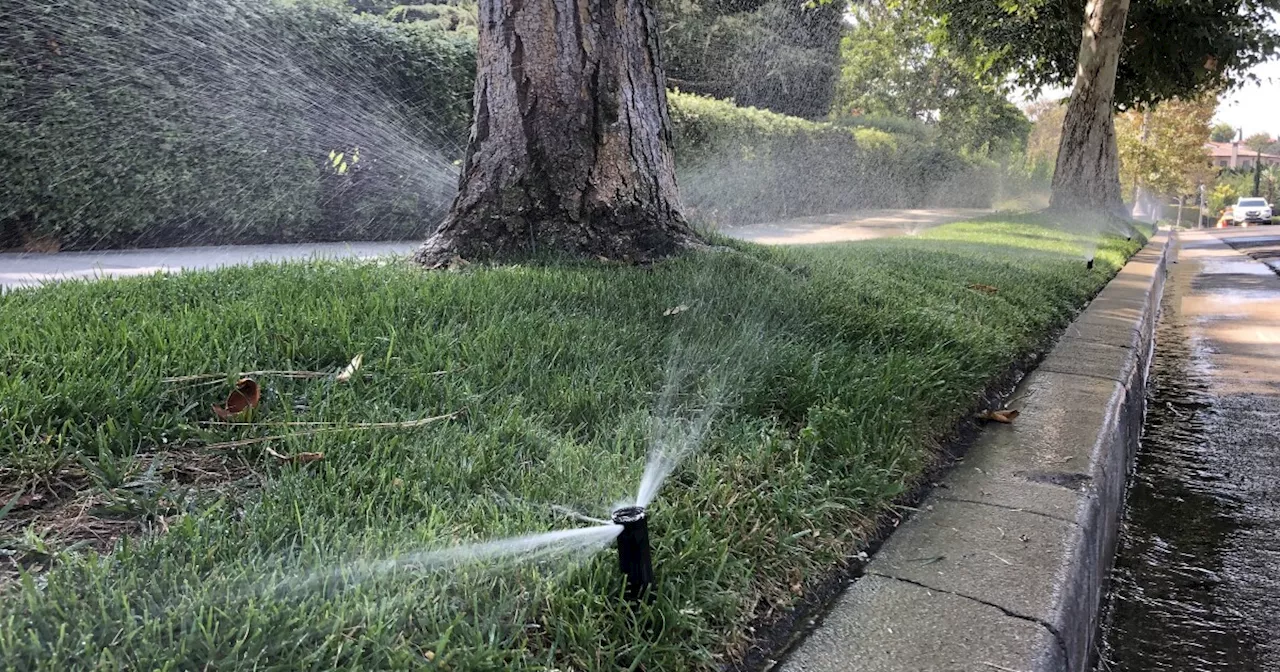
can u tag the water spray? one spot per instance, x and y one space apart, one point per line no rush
633 550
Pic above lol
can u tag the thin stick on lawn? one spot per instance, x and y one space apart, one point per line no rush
215 377
219 423
408 424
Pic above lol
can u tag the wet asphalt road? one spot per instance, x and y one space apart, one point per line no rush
1197 580
21 269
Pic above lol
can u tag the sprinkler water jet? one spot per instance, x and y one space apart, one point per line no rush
634 559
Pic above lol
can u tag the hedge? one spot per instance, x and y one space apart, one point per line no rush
136 122
152 122
740 165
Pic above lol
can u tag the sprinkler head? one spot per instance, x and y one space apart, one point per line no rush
1089 265
633 550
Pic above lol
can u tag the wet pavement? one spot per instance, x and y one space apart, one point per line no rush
1196 585
22 269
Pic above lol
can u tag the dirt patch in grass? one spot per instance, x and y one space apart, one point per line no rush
72 509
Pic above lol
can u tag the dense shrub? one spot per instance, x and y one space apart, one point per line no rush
150 122
158 121
740 165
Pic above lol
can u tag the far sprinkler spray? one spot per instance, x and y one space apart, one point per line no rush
633 551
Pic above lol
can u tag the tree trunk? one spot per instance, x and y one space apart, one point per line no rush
1087 176
570 147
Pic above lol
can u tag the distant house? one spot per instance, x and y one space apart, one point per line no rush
1233 155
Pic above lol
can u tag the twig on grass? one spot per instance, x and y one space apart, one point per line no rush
215 378
219 377
408 424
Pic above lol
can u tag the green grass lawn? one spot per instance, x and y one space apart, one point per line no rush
832 372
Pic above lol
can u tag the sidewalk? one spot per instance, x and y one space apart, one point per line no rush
20 269
1002 566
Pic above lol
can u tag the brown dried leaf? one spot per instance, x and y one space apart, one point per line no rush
1005 416
985 289
245 397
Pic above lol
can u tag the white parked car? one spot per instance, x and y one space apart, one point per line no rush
1251 211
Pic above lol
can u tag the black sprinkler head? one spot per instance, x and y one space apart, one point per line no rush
1089 265
633 550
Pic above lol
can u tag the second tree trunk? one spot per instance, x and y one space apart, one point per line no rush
1087 176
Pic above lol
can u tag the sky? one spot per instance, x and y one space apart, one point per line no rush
1254 107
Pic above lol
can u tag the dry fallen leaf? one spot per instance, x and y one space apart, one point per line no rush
354 366
1005 416
675 311
244 397
985 289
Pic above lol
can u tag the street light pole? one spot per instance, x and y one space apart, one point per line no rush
1203 203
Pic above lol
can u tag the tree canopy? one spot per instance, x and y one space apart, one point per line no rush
1172 48
1223 133
1259 142
894 64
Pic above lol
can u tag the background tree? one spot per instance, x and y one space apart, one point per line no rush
1270 187
893 62
1046 134
1131 53
1259 143
453 15
1171 159
1223 133
570 149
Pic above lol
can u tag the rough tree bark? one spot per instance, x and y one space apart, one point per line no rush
570 147
1087 176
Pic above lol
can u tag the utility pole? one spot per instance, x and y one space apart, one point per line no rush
1137 183
1203 203
1257 175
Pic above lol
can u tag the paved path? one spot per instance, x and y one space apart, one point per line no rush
1197 580
17 269
847 227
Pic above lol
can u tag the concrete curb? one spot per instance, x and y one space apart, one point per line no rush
1005 564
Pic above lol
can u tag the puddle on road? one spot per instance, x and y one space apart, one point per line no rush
1196 586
